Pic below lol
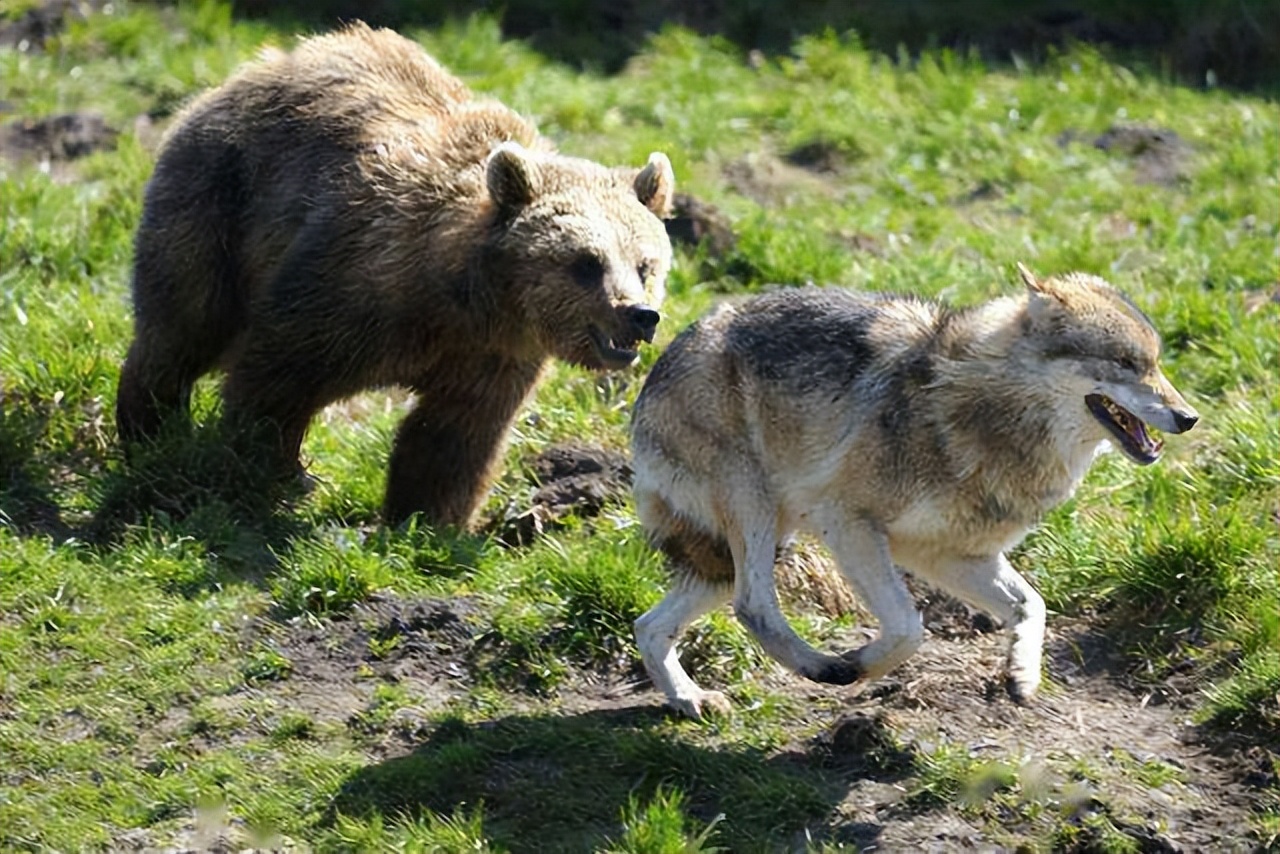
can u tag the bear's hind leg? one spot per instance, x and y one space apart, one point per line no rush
188 307
156 380
269 398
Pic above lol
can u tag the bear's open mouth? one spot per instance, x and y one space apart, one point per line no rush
612 352
1128 429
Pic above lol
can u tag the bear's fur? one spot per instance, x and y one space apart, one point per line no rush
348 215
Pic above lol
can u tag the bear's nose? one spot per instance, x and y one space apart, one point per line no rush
1185 420
644 321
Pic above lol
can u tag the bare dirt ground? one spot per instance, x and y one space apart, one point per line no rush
52 142
1092 719
1075 748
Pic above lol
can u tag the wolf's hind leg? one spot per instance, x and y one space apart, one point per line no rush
993 585
862 554
755 602
657 632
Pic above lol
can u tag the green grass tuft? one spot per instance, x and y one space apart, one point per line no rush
660 826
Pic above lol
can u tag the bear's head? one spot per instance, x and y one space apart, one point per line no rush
584 248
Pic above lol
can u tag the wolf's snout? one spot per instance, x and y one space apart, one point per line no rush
1185 419
644 321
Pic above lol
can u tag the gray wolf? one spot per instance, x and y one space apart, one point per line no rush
348 215
904 434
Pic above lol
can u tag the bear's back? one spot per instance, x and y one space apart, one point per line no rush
356 80
355 95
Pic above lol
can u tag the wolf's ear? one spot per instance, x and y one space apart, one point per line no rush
655 185
1044 306
511 176
1029 279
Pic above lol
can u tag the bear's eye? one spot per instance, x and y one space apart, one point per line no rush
587 271
644 270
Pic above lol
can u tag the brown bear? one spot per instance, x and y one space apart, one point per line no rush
348 215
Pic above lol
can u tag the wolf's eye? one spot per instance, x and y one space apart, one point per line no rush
644 270
1129 364
587 271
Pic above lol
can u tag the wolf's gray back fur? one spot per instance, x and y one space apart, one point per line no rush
901 432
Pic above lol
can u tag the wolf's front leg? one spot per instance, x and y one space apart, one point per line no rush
993 585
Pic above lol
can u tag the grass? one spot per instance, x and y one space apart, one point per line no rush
141 693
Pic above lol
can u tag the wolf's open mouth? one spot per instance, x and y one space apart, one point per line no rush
611 354
1126 427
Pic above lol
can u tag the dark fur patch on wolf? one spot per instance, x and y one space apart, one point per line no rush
689 547
809 343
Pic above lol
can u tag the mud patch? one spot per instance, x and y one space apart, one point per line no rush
819 156
694 222
1089 762
865 744
1092 746
327 670
572 480
38 22
1159 155
386 637
56 139
772 182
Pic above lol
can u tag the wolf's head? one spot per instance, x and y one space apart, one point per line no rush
1102 352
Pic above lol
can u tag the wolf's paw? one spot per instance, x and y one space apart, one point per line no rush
703 704
1022 687
844 670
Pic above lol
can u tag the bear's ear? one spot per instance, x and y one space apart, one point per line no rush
656 185
511 176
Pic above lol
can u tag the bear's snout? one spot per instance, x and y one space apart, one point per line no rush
643 321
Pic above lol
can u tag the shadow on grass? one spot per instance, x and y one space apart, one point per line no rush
560 782
64 477
191 482
27 497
